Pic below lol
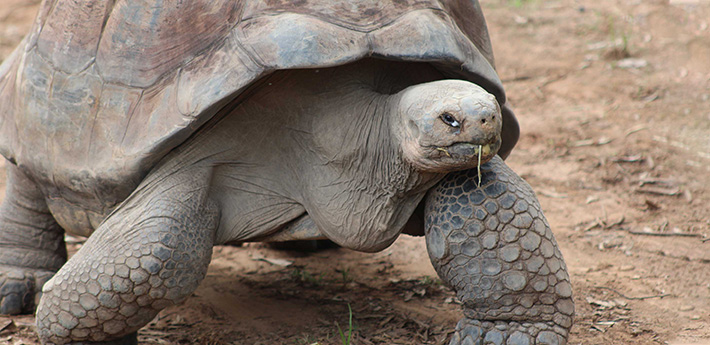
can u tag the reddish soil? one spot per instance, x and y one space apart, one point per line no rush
613 97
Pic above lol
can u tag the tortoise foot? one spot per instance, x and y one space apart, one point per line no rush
131 339
21 288
474 332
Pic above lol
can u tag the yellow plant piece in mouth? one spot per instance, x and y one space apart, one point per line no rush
484 149
480 150
444 151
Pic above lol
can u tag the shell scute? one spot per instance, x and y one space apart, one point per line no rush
418 35
292 40
358 15
155 119
70 44
224 71
142 42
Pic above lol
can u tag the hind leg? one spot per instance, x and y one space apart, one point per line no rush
31 244
493 246
151 253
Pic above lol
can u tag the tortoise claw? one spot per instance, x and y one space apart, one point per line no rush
474 332
131 339
20 289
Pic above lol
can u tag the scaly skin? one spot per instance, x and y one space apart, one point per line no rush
493 246
31 244
150 254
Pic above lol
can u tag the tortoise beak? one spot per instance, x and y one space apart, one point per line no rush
467 150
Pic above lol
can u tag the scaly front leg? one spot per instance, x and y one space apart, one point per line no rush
493 246
151 253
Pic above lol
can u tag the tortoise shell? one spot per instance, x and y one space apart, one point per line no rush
99 91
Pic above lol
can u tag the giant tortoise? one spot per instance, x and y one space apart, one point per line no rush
163 128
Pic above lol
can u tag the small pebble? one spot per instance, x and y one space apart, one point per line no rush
626 268
632 63
686 308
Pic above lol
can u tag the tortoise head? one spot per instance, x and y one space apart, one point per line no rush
446 124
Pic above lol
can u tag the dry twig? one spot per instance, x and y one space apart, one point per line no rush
664 234
629 297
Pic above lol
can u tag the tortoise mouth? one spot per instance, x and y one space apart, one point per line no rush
469 151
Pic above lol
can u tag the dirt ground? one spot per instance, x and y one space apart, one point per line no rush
613 97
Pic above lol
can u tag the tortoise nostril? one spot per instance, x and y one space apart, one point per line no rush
483 121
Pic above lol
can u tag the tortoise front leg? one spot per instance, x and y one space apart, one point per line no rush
151 253
493 246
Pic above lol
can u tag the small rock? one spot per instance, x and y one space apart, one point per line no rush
597 45
626 268
632 63
636 331
520 20
686 308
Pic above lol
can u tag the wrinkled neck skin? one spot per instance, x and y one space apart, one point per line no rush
366 192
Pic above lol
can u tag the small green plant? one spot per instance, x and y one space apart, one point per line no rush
303 276
347 340
519 3
619 38
345 277
430 281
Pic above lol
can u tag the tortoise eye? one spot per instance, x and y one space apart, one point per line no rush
450 120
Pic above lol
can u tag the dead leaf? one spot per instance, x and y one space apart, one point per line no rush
628 159
551 194
659 190
7 327
601 303
386 321
652 206
273 261
592 142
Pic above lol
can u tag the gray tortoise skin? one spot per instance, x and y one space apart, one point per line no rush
161 130
493 246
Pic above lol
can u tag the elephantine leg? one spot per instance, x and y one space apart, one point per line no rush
31 244
151 253
493 246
